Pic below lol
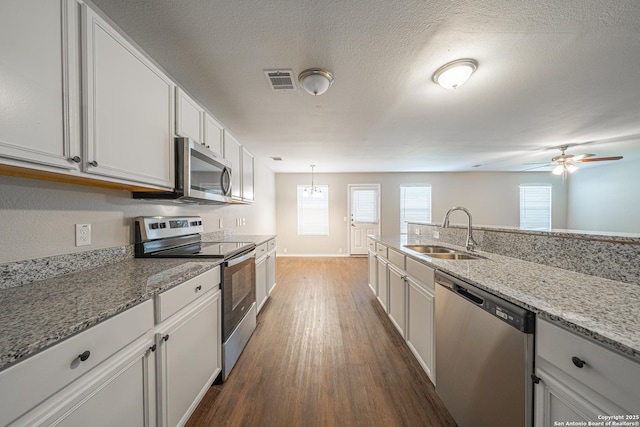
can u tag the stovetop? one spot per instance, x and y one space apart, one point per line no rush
206 250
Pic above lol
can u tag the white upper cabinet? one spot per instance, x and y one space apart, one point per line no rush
189 117
213 135
39 83
129 109
247 176
232 153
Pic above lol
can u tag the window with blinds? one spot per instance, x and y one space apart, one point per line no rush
313 211
365 205
415 205
535 207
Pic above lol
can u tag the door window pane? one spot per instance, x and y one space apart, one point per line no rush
365 206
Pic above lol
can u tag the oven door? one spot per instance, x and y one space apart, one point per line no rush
238 291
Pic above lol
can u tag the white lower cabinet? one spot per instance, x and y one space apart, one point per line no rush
408 296
79 381
581 381
397 298
373 272
261 282
420 331
383 282
189 357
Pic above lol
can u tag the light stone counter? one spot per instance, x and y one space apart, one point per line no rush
37 315
608 311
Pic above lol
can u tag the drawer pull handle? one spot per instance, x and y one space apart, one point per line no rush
152 348
578 362
165 338
84 356
198 288
75 159
93 163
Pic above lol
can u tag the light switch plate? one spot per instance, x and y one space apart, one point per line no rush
83 234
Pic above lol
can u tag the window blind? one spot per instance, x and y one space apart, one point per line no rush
415 204
313 212
365 206
535 207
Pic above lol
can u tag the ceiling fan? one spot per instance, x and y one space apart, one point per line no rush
566 163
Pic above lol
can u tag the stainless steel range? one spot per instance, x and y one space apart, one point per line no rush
179 237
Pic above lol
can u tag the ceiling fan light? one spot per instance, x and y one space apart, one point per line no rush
316 81
558 170
454 74
571 168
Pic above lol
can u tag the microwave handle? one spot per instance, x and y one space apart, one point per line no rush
225 182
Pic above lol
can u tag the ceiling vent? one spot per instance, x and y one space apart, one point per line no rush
281 80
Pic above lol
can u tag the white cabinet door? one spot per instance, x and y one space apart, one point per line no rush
189 358
261 282
420 326
247 176
232 153
383 283
271 271
373 272
189 117
397 292
129 109
213 135
39 84
121 392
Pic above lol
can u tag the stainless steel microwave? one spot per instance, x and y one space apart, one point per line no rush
201 176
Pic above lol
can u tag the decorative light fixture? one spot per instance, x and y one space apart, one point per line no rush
316 81
564 168
455 73
312 191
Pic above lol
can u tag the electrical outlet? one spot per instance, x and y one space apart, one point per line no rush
83 234
436 234
284 250
243 222
339 250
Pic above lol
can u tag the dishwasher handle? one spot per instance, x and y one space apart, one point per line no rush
468 295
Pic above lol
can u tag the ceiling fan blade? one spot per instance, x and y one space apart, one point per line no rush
579 157
600 159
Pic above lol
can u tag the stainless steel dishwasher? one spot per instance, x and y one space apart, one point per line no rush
484 356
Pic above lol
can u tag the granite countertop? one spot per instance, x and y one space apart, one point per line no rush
40 314
604 310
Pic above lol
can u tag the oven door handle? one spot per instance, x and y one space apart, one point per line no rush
243 258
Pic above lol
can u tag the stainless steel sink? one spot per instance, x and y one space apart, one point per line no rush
441 252
455 255
427 249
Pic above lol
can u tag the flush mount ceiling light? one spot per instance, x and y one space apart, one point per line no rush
316 81
455 73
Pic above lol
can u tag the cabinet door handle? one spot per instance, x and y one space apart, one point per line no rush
535 379
578 362
198 288
75 159
93 163
152 348
84 356
165 338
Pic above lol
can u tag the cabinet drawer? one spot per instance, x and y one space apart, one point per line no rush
28 383
171 301
271 244
606 372
371 244
381 250
261 250
396 258
421 272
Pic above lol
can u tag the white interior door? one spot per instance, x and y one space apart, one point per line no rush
364 206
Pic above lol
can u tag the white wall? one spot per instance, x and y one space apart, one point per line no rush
38 217
605 198
492 198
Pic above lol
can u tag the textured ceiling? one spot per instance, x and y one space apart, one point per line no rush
550 73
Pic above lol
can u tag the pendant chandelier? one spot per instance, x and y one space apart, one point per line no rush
312 191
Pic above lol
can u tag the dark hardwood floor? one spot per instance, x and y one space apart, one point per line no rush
323 354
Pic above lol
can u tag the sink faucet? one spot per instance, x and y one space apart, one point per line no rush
471 244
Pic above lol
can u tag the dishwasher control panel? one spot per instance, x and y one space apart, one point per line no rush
518 320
